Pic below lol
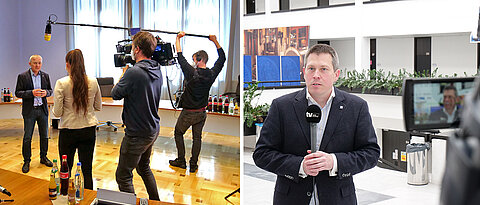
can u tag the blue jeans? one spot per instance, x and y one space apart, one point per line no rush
37 115
135 153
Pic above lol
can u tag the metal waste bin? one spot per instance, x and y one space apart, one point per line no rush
259 129
417 161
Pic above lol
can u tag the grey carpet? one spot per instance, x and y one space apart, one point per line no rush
364 197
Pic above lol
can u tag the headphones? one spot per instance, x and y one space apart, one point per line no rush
198 58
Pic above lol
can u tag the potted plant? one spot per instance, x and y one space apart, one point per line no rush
251 111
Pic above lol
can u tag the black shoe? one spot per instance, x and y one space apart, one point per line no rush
46 161
178 163
26 167
193 168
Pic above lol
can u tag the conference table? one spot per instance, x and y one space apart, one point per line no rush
112 111
30 190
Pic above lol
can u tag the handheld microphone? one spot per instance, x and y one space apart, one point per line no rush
313 115
48 31
3 190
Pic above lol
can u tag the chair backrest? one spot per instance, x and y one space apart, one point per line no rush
106 85
237 91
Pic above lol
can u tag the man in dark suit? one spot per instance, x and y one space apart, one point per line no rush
33 86
346 138
449 112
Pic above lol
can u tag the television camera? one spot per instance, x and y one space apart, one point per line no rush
163 53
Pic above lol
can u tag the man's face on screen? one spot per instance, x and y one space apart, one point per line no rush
449 99
319 74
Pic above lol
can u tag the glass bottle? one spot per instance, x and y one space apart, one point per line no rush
79 184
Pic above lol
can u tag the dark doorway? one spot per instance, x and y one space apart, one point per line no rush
423 57
373 54
322 3
250 6
323 42
284 5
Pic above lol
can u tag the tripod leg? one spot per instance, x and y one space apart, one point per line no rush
234 192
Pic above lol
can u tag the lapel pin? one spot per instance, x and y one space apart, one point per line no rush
341 107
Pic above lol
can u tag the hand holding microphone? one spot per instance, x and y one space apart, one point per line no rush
316 161
313 116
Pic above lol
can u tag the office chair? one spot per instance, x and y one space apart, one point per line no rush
236 94
106 85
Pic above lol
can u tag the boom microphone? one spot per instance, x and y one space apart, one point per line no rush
48 31
313 115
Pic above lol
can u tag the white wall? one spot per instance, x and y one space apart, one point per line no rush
274 5
346 53
336 2
454 54
395 53
378 19
34 14
260 6
22 35
10 52
324 23
418 17
303 4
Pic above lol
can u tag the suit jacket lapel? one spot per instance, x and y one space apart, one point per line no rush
300 106
334 117
43 82
29 79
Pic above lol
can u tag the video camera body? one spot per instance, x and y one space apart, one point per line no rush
163 53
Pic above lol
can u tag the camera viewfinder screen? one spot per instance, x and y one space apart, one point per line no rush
439 103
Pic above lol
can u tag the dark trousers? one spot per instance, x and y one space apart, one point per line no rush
135 153
184 121
37 115
69 140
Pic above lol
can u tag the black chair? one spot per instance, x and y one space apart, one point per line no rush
106 85
235 95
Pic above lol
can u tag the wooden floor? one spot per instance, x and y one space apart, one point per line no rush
218 173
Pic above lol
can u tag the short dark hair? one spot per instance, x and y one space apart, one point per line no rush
145 42
451 87
324 48
201 55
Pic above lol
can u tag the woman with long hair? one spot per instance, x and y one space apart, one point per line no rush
76 97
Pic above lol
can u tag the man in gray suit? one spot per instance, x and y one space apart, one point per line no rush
33 86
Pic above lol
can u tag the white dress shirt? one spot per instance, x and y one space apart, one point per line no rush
451 117
320 130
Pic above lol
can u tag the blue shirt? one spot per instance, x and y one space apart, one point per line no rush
37 84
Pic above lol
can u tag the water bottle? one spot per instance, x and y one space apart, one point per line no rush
231 107
79 188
